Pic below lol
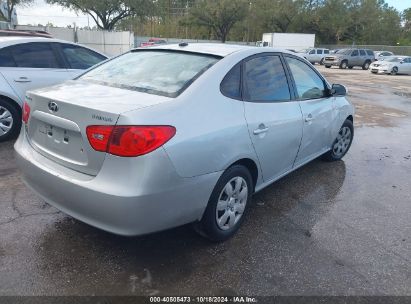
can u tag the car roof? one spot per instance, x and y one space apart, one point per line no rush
13 40
216 49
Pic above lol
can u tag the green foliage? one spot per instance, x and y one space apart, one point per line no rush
218 16
333 21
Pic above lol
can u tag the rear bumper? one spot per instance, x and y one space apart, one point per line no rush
129 196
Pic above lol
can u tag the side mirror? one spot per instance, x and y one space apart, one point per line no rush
338 90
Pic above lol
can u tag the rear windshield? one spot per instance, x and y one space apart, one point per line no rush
166 73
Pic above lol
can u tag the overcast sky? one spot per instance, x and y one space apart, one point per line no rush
42 13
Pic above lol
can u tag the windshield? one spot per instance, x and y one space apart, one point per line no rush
159 72
344 51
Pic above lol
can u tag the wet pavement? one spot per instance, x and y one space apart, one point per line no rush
340 228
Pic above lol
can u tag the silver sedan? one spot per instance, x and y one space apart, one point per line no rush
177 134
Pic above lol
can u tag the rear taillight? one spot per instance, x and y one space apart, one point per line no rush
26 112
129 141
98 136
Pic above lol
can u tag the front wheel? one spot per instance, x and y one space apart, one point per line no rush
10 120
328 66
343 65
394 71
227 205
322 61
342 143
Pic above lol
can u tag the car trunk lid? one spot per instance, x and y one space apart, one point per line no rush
61 114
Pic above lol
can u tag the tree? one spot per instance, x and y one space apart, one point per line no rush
10 5
106 13
219 16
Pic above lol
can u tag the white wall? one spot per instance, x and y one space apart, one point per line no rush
107 42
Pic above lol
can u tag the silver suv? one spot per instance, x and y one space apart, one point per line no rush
349 58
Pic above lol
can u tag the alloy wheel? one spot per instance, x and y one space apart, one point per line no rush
6 121
231 203
343 142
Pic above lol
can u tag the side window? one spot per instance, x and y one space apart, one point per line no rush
265 79
309 84
354 53
79 57
319 51
369 52
231 84
326 51
362 52
6 60
34 55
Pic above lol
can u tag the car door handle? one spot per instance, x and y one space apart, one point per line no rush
261 129
22 79
309 118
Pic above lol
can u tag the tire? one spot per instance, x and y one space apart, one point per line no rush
394 71
210 226
342 143
328 66
10 120
366 65
344 64
322 61
350 67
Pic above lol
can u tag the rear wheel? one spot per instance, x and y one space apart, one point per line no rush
342 143
366 65
227 205
350 67
328 66
343 64
10 120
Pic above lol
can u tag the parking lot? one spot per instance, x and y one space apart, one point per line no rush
339 228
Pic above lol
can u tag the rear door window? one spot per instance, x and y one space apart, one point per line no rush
265 79
319 51
159 72
79 57
362 53
34 55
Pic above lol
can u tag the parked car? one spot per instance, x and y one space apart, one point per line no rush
315 55
392 65
153 41
378 55
30 63
133 152
349 58
25 33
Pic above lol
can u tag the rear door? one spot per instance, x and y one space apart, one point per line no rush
355 59
274 120
32 65
407 65
317 109
78 58
319 55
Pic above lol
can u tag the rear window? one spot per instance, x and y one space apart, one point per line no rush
166 73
